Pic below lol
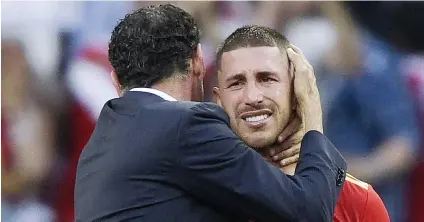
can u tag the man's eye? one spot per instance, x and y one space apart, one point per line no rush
267 79
234 84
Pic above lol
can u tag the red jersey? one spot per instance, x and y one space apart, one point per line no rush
358 202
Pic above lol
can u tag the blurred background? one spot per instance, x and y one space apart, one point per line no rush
368 58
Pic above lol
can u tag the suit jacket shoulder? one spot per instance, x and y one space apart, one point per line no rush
210 110
188 109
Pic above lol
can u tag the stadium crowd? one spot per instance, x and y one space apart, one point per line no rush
368 58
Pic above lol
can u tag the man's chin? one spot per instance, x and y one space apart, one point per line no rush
258 143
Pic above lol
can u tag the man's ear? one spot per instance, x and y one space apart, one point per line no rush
199 69
216 96
116 83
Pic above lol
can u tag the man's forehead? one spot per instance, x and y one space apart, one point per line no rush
265 51
264 58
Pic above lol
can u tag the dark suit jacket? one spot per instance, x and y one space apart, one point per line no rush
155 160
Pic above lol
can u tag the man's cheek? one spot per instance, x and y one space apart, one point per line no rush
234 123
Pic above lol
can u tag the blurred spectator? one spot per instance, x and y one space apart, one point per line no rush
413 69
89 84
277 14
27 139
373 122
400 26
37 24
407 22
370 114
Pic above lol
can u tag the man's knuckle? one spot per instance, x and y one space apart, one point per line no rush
314 81
310 75
298 140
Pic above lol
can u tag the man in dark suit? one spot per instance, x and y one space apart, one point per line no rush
154 156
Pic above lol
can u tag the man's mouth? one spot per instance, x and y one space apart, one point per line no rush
257 118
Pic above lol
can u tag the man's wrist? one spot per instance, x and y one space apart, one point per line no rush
314 127
313 121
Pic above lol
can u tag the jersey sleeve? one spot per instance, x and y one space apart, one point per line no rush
375 209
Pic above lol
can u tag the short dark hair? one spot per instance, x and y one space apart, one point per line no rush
251 36
151 44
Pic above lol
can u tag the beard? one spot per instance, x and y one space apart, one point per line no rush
259 142
262 139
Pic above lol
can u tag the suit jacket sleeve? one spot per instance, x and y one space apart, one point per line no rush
219 169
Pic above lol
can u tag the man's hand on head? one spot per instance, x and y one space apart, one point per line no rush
308 112
306 91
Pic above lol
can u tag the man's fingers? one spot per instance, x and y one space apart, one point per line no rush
293 126
306 91
292 151
291 71
267 159
302 56
304 78
298 51
309 67
290 160
295 138
296 60
301 72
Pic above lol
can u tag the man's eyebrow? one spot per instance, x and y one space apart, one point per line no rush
267 73
238 76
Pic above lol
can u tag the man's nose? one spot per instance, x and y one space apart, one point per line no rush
253 95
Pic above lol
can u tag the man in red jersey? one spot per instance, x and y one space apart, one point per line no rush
255 75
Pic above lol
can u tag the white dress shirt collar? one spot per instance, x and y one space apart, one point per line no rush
156 92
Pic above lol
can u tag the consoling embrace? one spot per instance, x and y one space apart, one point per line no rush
157 156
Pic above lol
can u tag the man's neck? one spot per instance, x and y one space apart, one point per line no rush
175 87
